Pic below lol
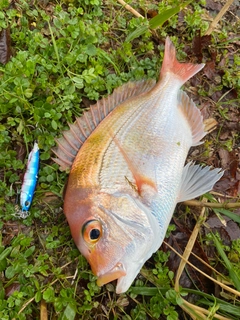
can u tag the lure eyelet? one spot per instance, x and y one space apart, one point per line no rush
27 203
92 231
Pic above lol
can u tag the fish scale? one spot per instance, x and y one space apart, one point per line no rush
101 141
132 128
126 157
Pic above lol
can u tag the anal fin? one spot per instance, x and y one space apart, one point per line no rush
197 180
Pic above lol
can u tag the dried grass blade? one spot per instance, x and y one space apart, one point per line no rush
218 17
189 248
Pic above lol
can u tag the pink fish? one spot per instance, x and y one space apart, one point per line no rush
127 157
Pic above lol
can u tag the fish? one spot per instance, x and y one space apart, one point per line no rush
30 179
126 159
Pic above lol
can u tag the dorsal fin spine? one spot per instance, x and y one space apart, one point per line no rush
93 116
72 126
61 146
62 162
104 107
99 113
108 105
70 142
87 121
80 127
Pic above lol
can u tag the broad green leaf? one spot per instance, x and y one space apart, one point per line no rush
3 264
69 313
5 253
29 251
10 272
54 124
78 82
162 17
234 277
156 21
228 214
137 33
148 291
91 50
38 296
49 295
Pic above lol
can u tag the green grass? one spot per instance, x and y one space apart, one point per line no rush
66 54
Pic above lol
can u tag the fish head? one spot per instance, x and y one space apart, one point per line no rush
116 233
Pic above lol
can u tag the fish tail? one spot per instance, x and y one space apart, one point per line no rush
183 71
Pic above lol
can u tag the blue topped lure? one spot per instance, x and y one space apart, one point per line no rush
30 179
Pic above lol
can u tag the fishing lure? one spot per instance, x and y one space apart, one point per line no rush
30 179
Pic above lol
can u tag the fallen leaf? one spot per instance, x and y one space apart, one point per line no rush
213 5
230 183
11 289
209 70
5 48
231 230
197 46
210 124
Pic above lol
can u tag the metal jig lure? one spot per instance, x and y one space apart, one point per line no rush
29 180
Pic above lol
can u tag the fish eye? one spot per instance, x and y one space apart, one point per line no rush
92 231
27 203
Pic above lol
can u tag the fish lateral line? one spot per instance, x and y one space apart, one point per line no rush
140 180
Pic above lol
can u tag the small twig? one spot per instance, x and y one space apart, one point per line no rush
218 17
74 276
208 265
224 205
227 288
130 9
218 194
189 248
43 310
185 260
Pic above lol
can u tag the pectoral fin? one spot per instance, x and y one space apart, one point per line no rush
197 180
139 178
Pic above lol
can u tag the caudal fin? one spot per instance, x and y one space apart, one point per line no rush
183 71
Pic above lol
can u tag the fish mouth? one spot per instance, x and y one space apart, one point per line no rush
115 273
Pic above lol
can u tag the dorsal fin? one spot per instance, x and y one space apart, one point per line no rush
72 140
193 116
